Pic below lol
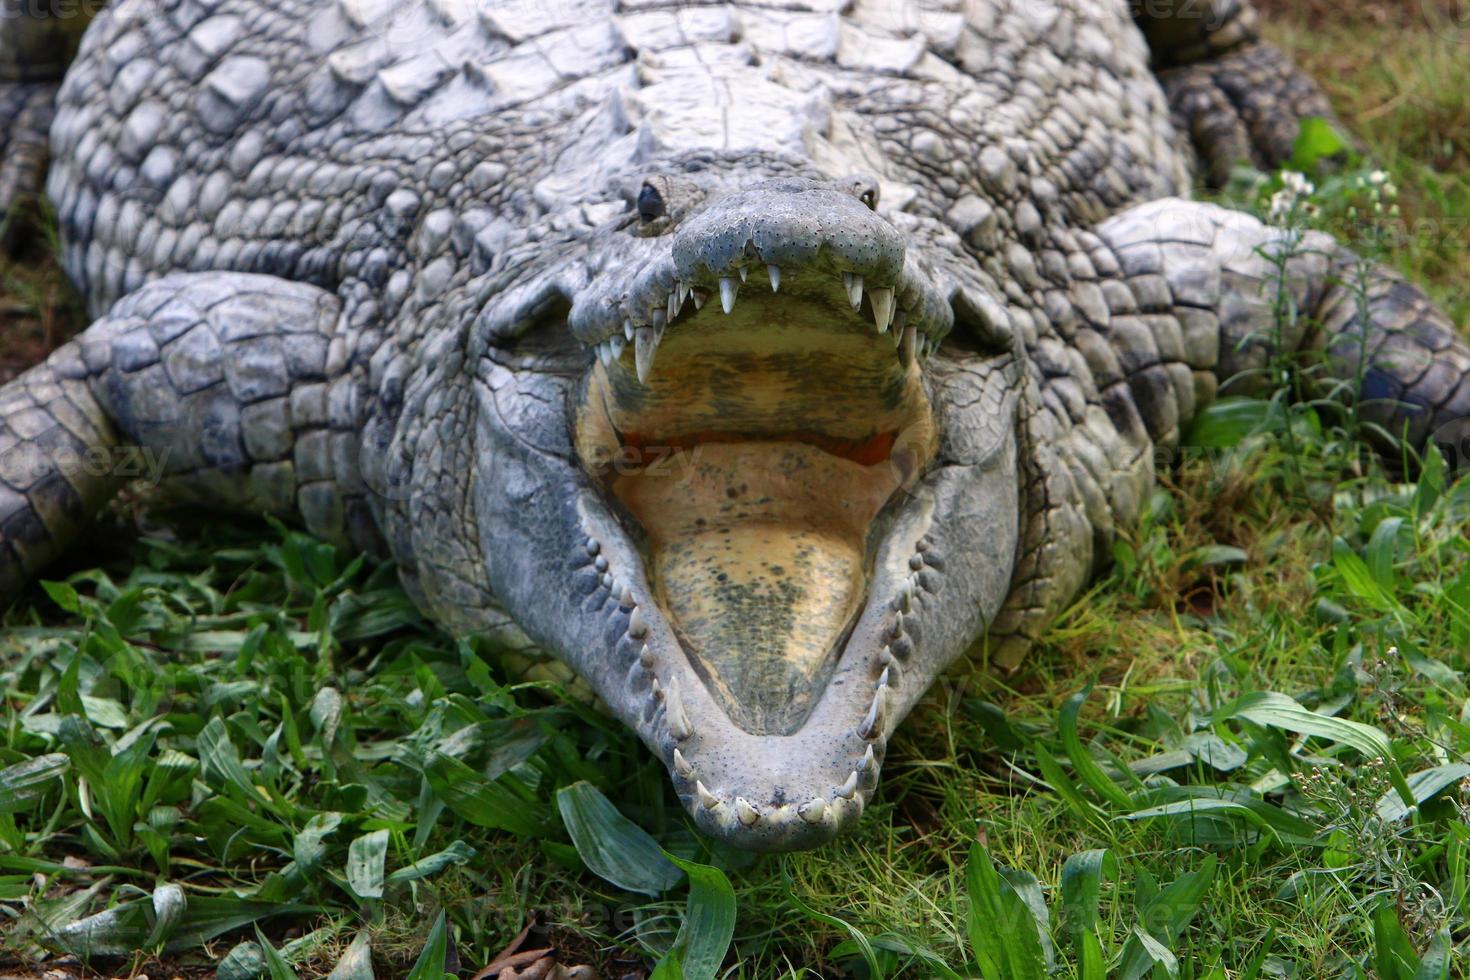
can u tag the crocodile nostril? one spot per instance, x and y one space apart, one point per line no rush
650 203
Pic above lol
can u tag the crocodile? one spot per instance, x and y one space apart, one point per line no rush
744 364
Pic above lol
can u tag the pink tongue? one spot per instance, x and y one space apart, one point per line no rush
757 554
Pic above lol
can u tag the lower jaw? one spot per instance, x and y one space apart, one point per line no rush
757 553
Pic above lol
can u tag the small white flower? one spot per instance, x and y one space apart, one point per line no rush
1378 178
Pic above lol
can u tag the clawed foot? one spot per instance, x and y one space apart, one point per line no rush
1243 106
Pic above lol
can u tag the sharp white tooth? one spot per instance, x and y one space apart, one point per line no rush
604 353
645 657
872 725
728 289
674 716
699 296
682 288
869 763
849 788
743 273
618 344
813 810
681 765
775 271
628 329
884 679
645 345
746 813
657 689
882 308
895 332
675 301
906 596
706 798
854 286
637 628
907 346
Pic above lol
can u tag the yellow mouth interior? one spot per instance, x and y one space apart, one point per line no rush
755 458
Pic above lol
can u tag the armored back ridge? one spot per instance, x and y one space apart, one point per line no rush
744 364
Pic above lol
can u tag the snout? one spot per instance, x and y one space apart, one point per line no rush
791 224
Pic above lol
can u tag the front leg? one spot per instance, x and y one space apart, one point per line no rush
226 387
1237 99
1218 278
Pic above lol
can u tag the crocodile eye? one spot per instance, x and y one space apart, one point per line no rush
864 187
650 203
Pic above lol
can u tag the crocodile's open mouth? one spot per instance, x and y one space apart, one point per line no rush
755 443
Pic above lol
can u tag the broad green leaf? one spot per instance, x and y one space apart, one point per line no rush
169 905
64 596
435 954
25 782
1423 785
326 713
124 929
244 961
1165 915
275 964
1279 711
1156 953
457 853
1393 952
220 759
483 802
1359 580
1092 962
1226 421
709 920
1002 930
1215 752
1317 140
1431 479
1087 768
1215 555
1379 553
310 845
367 856
612 846
1437 958
357 962
1063 786
668 968
1026 886
1082 878
1187 810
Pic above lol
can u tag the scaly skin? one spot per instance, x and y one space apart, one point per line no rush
409 270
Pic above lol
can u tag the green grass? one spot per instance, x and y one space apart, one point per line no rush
1204 771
